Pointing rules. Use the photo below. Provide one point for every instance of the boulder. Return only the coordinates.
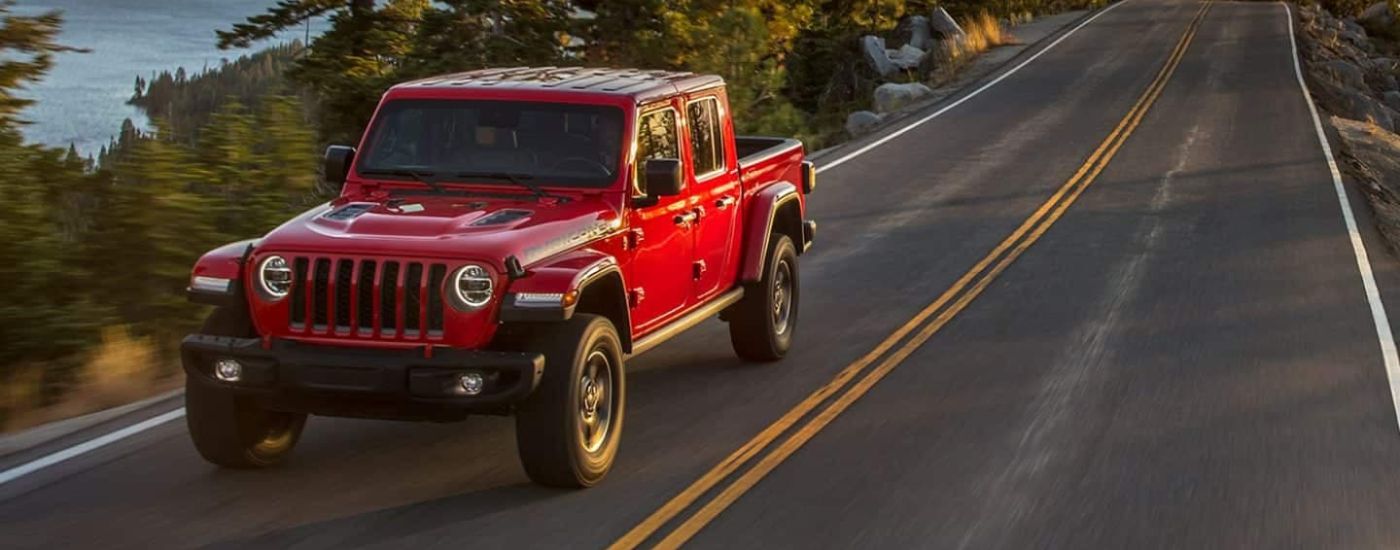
(907, 57)
(1382, 82)
(862, 122)
(1378, 14)
(1343, 72)
(1354, 33)
(1392, 100)
(1376, 155)
(945, 27)
(890, 97)
(1359, 106)
(914, 31)
(920, 33)
(876, 55)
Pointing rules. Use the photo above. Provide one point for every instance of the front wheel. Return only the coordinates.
(568, 430)
(762, 324)
(233, 431)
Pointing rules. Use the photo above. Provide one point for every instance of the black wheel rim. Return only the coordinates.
(278, 435)
(782, 297)
(595, 400)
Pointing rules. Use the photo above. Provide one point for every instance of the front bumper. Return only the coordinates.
(409, 384)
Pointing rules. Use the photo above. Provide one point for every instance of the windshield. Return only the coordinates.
(553, 144)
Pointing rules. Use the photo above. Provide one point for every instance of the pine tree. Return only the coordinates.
(287, 159)
(462, 35)
(154, 226)
(37, 317)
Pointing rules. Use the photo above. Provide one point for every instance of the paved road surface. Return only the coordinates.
(1186, 358)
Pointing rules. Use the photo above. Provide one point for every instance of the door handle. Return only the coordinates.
(725, 202)
(686, 218)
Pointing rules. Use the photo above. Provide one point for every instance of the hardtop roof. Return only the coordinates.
(637, 83)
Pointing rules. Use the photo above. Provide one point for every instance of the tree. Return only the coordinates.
(29, 45)
(287, 14)
(746, 41)
(472, 34)
(349, 66)
(154, 225)
(40, 317)
(287, 159)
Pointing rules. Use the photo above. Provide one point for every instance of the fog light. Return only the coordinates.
(470, 383)
(228, 370)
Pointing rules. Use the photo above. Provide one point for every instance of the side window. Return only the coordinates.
(656, 139)
(706, 136)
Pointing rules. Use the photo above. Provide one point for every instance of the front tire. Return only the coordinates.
(568, 430)
(233, 431)
(762, 324)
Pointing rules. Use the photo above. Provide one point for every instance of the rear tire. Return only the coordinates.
(761, 325)
(233, 431)
(568, 430)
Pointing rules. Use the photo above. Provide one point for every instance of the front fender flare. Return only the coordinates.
(220, 266)
(551, 292)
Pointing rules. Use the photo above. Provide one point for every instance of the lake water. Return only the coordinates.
(83, 99)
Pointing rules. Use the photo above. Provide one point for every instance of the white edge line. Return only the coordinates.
(1363, 262)
(853, 154)
(88, 446)
(99, 442)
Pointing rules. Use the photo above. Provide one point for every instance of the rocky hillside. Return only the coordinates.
(1353, 68)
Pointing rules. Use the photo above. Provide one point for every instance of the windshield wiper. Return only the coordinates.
(521, 180)
(426, 178)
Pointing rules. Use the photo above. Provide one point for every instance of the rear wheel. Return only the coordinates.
(568, 430)
(233, 431)
(762, 324)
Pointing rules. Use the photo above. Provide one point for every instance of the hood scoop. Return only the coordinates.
(349, 211)
(500, 217)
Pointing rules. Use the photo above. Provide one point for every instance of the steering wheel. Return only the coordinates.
(584, 162)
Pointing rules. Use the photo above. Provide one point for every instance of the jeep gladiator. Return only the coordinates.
(503, 240)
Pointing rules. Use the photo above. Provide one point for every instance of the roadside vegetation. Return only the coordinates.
(95, 251)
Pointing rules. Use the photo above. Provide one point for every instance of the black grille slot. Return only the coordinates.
(319, 301)
(299, 292)
(344, 271)
(388, 297)
(413, 298)
(435, 277)
(346, 296)
(365, 289)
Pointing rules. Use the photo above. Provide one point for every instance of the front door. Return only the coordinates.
(660, 279)
(715, 190)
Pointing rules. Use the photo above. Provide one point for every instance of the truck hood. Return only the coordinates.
(487, 227)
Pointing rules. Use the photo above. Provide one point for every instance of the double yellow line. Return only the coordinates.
(922, 327)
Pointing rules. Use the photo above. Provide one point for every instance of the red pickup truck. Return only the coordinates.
(503, 241)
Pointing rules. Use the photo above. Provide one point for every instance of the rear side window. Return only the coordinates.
(656, 139)
(706, 137)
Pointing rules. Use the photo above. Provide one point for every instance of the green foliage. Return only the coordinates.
(187, 102)
(42, 317)
(28, 44)
(1008, 8)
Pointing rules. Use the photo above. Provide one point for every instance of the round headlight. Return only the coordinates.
(471, 285)
(275, 277)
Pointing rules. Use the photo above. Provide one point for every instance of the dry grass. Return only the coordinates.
(120, 370)
(984, 32)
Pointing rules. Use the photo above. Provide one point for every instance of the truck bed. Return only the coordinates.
(755, 149)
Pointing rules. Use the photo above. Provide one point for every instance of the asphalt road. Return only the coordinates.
(1185, 358)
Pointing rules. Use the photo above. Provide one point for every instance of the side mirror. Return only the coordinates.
(337, 164)
(662, 178)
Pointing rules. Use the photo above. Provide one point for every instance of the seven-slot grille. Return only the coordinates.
(370, 298)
